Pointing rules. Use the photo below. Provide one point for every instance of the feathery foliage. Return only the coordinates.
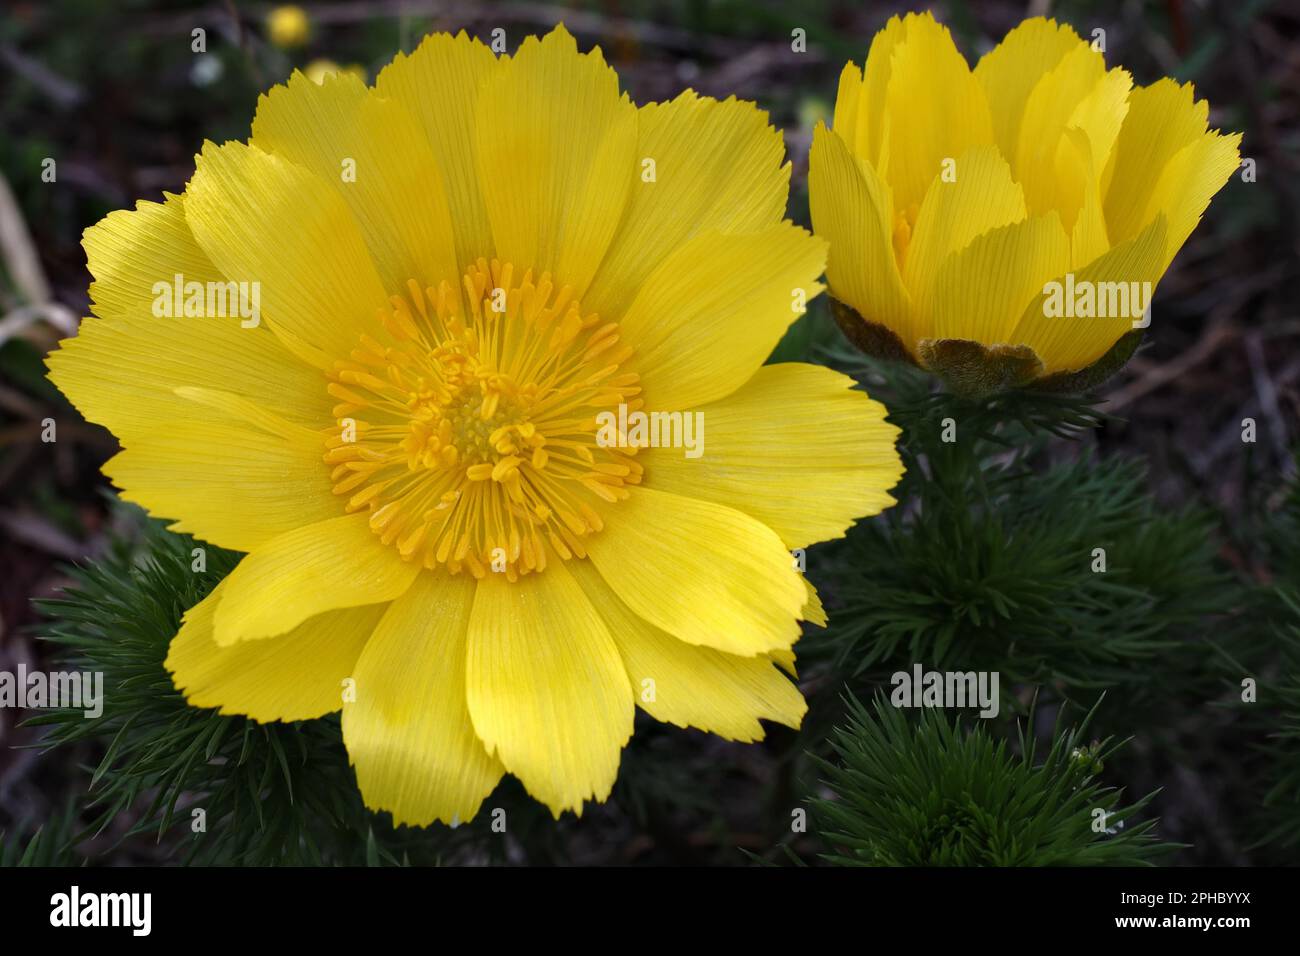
(932, 793)
(1282, 799)
(1064, 573)
(268, 793)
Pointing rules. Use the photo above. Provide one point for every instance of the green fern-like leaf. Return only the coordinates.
(932, 793)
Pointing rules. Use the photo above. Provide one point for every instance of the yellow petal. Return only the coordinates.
(712, 312)
(237, 408)
(1010, 71)
(439, 85)
(690, 686)
(377, 159)
(321, 567)
(263, 219)
(122, 368)
(767, 444)
(848, 104)
(231, 484)
(1068, 344)
(556, 157)
(982, 197)
(785, 660)
(1190, 179)
(1047, 113)
(852, 210)
(546, 686)
(408, 732)
(1070, 125)
(860, 102)
(1089, 237)
(296, 676)
(935, 103)
(1162, 119)
(716, 165)
(705, 573)
(1101, 114)
(813, 613)
(982, 291)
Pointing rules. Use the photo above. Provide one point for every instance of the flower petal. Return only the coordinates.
(690, 686)
(234, 485)
(296, 676)
(263, 219)
(1077, 92)
(1012, 69)
(1190, 179)
(981, 291)
(768, 443)
(439, 85)
(813, 613)
(717, 165)
(705, 573)
(851, 209)
(122, 368)
(860, 101)
(547, 689)
(1067, 344)
(321, 567)
(393, 186)
(557, 158)
(1089, 238)
(712, 312)
(1162, 119)
(929, 79)
(982, 197)
(408, 732)
(1100, 115)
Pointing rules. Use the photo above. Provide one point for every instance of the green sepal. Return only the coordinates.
(870, 337)
(974, 371)
(1096, 374)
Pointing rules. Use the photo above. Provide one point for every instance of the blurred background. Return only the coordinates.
(116, 96)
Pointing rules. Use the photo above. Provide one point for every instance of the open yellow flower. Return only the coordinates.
(1006, 224)
(460, 272)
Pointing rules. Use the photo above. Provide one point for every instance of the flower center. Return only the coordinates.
(472, 439)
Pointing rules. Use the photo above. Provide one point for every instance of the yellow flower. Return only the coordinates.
(1005, 224)
(461, 275)
(288, 26)
(317, 70)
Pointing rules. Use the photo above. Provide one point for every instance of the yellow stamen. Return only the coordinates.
(470, 429)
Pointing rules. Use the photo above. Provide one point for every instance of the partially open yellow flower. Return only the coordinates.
(462, 277)
(1005, 224)
(288, 26)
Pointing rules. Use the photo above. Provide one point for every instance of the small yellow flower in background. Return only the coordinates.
(317, 70)
(459, 277)
(1005, 225)
(288, 26)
